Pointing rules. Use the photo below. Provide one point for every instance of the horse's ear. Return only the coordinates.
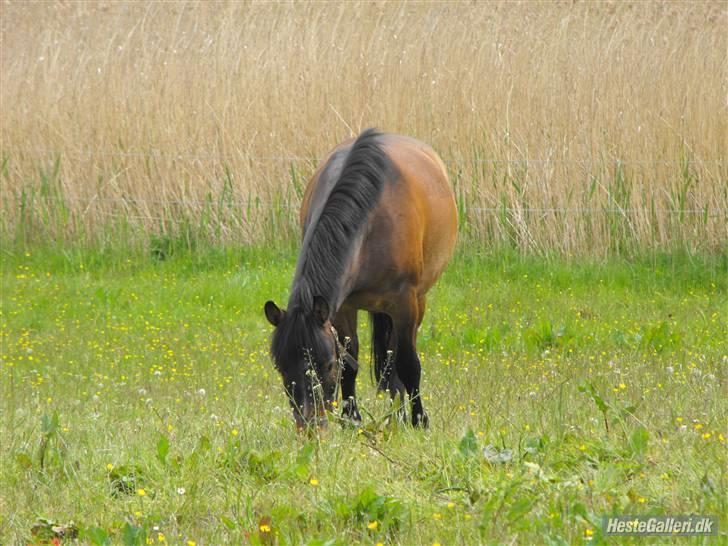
(273, 313)
(320, 310)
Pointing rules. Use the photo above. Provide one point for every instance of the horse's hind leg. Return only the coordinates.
(409, 368)
(384, 348)
(345, 324)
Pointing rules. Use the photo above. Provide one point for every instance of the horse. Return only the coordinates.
(379, 225)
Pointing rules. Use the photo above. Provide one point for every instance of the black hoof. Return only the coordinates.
(350, 414)
(420, 420)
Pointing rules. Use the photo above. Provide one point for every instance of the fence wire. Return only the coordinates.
(293, 158)
(255, 203)
(88, 154)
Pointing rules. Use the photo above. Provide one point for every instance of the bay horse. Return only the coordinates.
(379, 226)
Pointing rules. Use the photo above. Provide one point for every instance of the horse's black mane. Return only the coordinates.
(328, 241)
(330, 237)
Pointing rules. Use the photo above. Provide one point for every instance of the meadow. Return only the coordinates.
(140, 406)
(152, 161)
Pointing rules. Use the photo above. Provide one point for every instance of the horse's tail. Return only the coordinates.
(382, 330)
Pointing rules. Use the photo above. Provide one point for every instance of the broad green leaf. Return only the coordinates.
(162, 448)
(468, 444)
(49, 425)
(133, 535)
(520, 508)
(230, 524)
(638, 441)
(305, 454)
(97, 536)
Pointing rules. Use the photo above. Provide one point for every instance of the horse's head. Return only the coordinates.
(306, 352)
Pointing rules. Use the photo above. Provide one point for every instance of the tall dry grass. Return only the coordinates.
(567, 127)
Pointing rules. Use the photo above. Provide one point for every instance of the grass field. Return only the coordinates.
(139, 405)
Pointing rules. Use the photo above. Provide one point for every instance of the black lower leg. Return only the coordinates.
(349, 408)
(397, 393)
(391, 382)
(409, 371)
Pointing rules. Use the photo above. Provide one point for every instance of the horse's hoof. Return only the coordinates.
(420, 420)
(350, 414)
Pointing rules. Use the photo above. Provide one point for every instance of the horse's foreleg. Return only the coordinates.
(345, 324)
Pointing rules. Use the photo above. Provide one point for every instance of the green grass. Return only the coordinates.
(557, 391)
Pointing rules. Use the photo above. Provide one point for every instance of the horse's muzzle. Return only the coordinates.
(310, 416)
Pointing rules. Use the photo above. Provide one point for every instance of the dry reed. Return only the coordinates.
(567, 127)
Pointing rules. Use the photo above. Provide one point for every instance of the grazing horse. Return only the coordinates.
(379, 226)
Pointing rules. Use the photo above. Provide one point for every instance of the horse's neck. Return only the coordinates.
(305, 289)
(348, 280)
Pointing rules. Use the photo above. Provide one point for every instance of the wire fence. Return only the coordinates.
(39, 152)
(129, 202)
(258, 203)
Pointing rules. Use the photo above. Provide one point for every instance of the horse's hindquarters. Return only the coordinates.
(423, 209)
